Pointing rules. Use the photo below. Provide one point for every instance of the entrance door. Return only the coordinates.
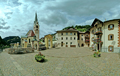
(62, 44)
(98, 46)
(36, 46)
(82, 45)
(66, 45)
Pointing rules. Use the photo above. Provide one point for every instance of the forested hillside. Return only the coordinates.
(79, 27)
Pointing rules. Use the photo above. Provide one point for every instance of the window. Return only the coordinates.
(29, 40)
(92, 38)
(61, 33)
(74, 38)
(66, 38)
(110, 48)
(66, 33)
(81, 34)
(98, 29)
(111, 27)
(70, 42)
(61, 38)
(71, 33)
(110, 37)
(22, 39)
(95, 30)
(81, 38)
(70, 38)
(36, 26)
(74, 34)
(66, 43)
(92, 31)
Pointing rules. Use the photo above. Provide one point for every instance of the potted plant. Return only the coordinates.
(39, 57)
(97, 54)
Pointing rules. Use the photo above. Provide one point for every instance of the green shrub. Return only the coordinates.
(97, 54)
(39, 57)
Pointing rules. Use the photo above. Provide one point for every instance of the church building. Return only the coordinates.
(31, 39)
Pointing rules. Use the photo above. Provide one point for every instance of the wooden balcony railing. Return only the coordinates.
(98, 32)
(87, 36)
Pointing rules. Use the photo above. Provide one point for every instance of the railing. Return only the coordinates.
(98, 32)
(87, 36)
(98, 41)
(87, 40)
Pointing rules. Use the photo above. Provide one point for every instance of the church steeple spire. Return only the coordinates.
(36, 20)
(36, 17)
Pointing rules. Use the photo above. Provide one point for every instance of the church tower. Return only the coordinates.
(36, 27)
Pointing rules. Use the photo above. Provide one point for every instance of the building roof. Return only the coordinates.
(28, 32)
(81, 32)
(95, 20)
(66, 30)
(111, 20)
(23, 36)
(31, 34)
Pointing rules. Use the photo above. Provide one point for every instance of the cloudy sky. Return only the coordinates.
(17, 16)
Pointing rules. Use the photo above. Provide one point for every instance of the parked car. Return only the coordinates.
(42, 47)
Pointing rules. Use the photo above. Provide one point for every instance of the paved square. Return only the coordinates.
(61, 62)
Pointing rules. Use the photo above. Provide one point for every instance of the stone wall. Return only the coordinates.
(19, 50)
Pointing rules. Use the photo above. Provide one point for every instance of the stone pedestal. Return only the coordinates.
(38, 46)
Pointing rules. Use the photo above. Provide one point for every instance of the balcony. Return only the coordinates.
(98, 33)
(87, 37)
(96, 41)
(87, 40)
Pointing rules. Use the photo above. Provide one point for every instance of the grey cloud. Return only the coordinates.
(83, 8)
(7, 13)
(18, 30)
(1, 32)
(54, 19)
(2, 22)
(1, 27)
(8, 17)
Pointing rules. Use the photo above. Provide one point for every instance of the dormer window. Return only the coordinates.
(111, 27)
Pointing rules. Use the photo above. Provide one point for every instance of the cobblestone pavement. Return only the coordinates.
(60, 62)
